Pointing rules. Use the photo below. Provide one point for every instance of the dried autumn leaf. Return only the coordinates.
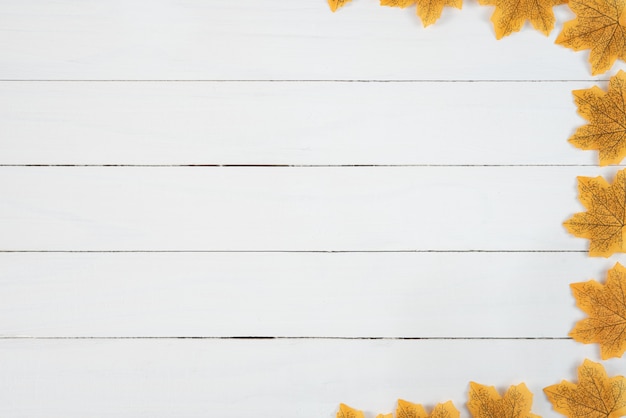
(346, 412)
(510, 15)
(486, 402)
(384, 416)
(600, 25)
(428, 10)
(595, 395)
(606, 307)
(606, 113)
(603, 223)
(337, 4)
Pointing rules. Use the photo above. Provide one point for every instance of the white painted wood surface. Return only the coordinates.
(308, 378)
(326, 295)
(289, 123)
(290, 208)
(103, 267)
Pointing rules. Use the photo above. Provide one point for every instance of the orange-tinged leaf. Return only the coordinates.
(595, 395)
(606, 307)
(428, 10)
(600, 26)
(510, 15)
(606, 113)
(346, 412)
(337, 4)
(384, 416)
(412, 410)
(603, 223)
(486, 402)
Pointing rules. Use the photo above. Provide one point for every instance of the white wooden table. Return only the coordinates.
(382, 204)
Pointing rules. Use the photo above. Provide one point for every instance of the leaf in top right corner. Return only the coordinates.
(486, 402)
(600, 26)
(605, 306)
(595, 396)
(606, 113)
(510, 15)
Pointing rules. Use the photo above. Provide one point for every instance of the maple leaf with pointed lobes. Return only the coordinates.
(595, 395)
(337, 4)
(411, 410)
(486, 402)
(600, 25)
(606, 307)
(428, 10)
(603, 223)
(606, 113)
(346, 412)
(510, 15)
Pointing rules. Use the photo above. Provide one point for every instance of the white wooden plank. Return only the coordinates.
(307, 379)
(295, 295)
(271, 39)
(216, 208)
(289, 123)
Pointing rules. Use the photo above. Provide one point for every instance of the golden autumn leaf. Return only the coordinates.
(603, 223)
(412, 410)
(606, 113)
(510, 15)
(346, 412)
(384, 416)
(486, 402)
(595, 395)
(336, 4)
(600, 26)
(428, 10)
(606, 307)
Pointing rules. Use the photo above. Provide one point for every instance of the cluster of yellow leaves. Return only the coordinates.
(595, 396)
(605, 306)
(600, 25)
(606, 113)
(603, 223)
(484, 402)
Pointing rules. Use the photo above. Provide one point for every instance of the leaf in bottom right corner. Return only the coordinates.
(595, 396)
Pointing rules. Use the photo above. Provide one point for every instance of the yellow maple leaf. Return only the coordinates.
(606, 307)
(337, 4)
(428, 10)
(384, 416)
(510, 15)
(600, 25)
(412, 410)
(486, 402)
(603, 223)
(606, 113)
(595, 395)
(346, 412)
